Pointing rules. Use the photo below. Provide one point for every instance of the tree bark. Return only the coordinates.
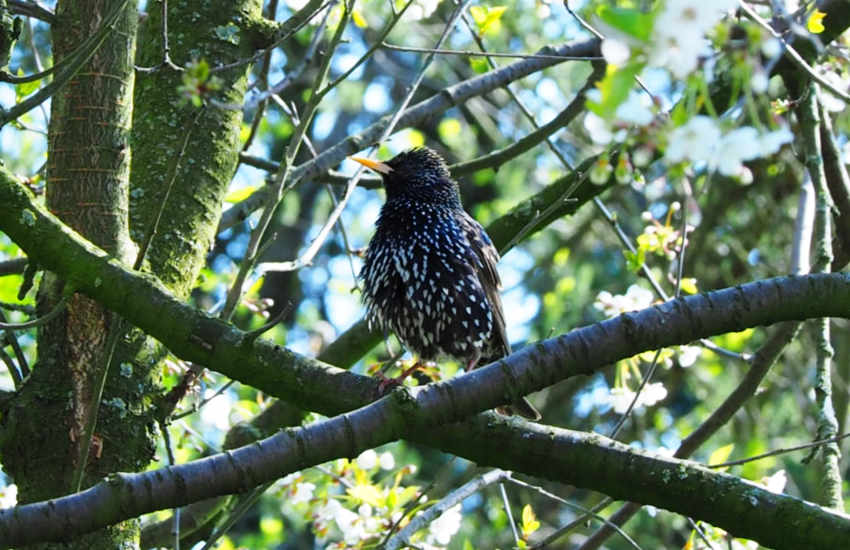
(87, 175)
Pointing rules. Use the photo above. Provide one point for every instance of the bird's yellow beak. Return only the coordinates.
(379, 167)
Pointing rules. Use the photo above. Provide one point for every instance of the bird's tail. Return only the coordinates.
(522, 408)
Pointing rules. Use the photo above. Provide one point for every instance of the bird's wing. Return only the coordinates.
(488, 275)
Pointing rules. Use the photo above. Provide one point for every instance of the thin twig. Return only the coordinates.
(507, 505)
(587, 513)
(827, 423)
(6, 76)
(116, 328)
(166, 50)
(273, 322)
(307, 257)
(31, 9)
(438, 102)
(455, 497)
(166, 441)
(241, 507)
(683, 233)
(775, 452)
(372, 49)
(634, 401)
(540, 134)
(281, 182)
(293, 75)
(472, 53)
(698, 530)
(792, 54)
(15, 266)
(10, 340)
(195, 408)
(151, 232)
(299, 24)
(49, 316)
(70, 66)
(12, 368)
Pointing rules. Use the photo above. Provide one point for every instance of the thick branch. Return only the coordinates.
(585, 460)
(194, 336)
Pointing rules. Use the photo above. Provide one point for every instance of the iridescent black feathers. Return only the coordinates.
(430, 272)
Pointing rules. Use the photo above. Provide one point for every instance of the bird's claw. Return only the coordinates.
(386, 384)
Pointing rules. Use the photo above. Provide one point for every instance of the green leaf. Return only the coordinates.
(239, 195)
(487, 19)
(415, 138)
(689, 285)
(359, 20)
(448, 129)
(271, 526)
(26, 88)
(529, 521)
(635, 260)
(815, 22)
(614, 89)
(630, 21)
(479, 14)
(367, 493)
(721, 454)
(479, 64)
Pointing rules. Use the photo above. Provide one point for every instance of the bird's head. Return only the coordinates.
(419, 174)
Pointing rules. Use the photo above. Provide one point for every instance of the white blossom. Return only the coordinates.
(288, 479)
(776, 482)
(303, 493)
(696, 140)
(420, 10)
(444, 527)
(367, 460)
(678, 37)
(9, 496)
(350, 524)
(387, 461)
(620, 397)
(327, 511)
(759, 81)
(635, 298)
(771, 142)
(677, 53)
(735, 147)
(652, 393)
(688, 355)
(702, 140)
(615, 52)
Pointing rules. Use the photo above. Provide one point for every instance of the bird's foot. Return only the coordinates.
(386, 384)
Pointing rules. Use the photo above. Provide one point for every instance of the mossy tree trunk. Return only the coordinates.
(94, 120)
(87, 181)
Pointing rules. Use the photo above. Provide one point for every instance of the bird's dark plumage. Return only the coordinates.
(430, 272)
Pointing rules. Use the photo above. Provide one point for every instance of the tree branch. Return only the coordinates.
(194, 336)
(585, 460)
(439, 102)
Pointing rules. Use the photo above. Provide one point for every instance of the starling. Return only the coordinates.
(430, 272)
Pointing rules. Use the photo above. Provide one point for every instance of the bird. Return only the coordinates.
(429, 273)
